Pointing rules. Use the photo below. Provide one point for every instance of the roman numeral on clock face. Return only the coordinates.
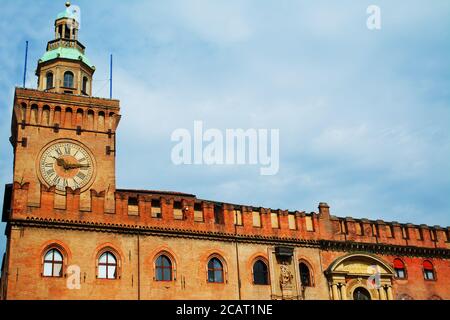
(67, 149)
(81, 175)
(56, 180)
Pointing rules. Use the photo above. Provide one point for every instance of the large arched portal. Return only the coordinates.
(360, 276)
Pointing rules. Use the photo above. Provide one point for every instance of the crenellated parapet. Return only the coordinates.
(187, 213)
(62, 112)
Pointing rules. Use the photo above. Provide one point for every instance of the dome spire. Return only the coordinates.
(64, 67)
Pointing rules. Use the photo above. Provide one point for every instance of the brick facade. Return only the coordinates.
(138, 226)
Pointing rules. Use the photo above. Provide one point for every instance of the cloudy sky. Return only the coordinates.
(363, 115)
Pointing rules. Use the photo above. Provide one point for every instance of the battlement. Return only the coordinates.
(65, 111)
(27, 93)
(186, 213)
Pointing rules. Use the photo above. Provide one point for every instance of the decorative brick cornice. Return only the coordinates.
(155, 231)
(386, 249)
(326, 245)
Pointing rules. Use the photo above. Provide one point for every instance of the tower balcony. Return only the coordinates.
(65, 43)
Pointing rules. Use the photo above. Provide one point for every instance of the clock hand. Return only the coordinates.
(61, 162)
(77, 166)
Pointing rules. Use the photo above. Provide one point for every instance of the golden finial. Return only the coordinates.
(67, 4)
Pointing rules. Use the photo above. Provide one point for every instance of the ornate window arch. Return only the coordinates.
(108, 264)
(354, 270)
(164, 267)
(53, 262)
(306, 273)
(260, 271)
(216, 269)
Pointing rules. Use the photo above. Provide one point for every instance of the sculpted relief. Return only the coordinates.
(285, 275)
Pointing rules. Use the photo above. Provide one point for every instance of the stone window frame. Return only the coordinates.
(224, 269)
(266, 262)
(173, 265)
(47, 77)
(433, 270)
(62, 251)
(69, 72)
(405, 269)
(312, 282)
(118, 262)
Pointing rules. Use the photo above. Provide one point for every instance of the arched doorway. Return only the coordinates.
(360, 276)
(361, 293)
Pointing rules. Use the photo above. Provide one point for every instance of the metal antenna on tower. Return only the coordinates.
(25, 66)
(110, 77)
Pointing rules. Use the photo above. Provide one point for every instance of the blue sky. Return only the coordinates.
(363, 115)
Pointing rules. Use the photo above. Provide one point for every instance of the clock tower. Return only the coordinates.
(64, 139)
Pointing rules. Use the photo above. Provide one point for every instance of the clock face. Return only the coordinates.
(66, 164)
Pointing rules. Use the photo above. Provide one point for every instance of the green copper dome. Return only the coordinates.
(65, 53)
(69, 13)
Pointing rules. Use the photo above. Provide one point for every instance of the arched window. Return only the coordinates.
(53, 263)
(107, 266)
(67, 31)
(215, 271)
(163, 268)
(428, 270)
(400, 270)
(49, 80)
(85, 85)
(260, 273)
(305, 275)
(361, 294)
(68, 79)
